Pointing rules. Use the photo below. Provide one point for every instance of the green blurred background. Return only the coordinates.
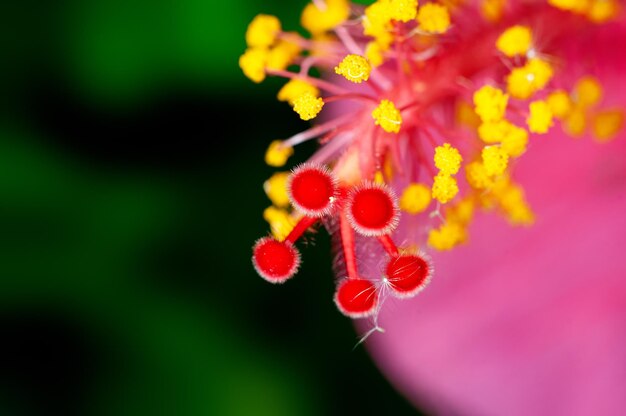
(128, 206)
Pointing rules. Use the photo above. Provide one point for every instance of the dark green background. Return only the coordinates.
(128, 206)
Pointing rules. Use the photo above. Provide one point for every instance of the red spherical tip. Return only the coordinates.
(275, 261)
(312, 189)
(409, 274)
(356, 298)
(372, 209)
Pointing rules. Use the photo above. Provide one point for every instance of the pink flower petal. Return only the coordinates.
(526, 321)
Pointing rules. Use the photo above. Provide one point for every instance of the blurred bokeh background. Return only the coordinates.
(128, 206)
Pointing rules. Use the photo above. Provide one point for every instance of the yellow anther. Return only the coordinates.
(495, 160)
(447, 159)
(490, 103)
(377, 18)
(606, 124)
(524, 81)
(515, 142)
(402, 10)
(387, 116)
(280, 221)
(560, 103)
(540, 118)
(461, 212)
(495, 131)
(444, 188)
(602, 11)
(510, 197)
(465, 114)
(492, 10)
(415, 198)
(447, 236)
(282, 55)
(295, 88)
(252, 63)
(379, 177)
(277, 154)
(319, 20)
(520, 214)
(262, 31)
(477, 176)
(375, 53)
(576, 6)
(516, 40)
(307, 106)
(587, 92)
(576, 123)
(354, 68)
(433, 18)
(276, 189)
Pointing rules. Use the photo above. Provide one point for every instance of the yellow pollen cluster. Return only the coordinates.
(601, 11)
(447, 159)
(540, 117)
(606, 124)
(252, 63)
(515, 141)
(354, 68)
(516, 40)
(308, 106)
(587, 92)
(524, 81)
(377, 19)
(495, 160)
(295, 88)
(277, 154)
(509, 198)
(375, 53)
(402, 10)
(582, 111)
(262, 31)
(280, 220)
(494, 131)
(447, 236)
(266, 51)
(577, 6)
(319, 20)
(282, 54)
(444, 188)
(492, 10)
(433, 18)
(276, 189)
(560, 104)
(490, 103)
(415, 198)
(477, 176)
(387, 116)
(598, 11)
(461, 212)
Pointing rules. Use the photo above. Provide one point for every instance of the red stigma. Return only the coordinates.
(372, 210)
(408, 274)
(356, 298)
(312, 190)
(275, 261)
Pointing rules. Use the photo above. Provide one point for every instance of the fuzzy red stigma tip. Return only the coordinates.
(312, 189)
(356, 298)
(372, 209)
(408, 274)
(275, 261)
